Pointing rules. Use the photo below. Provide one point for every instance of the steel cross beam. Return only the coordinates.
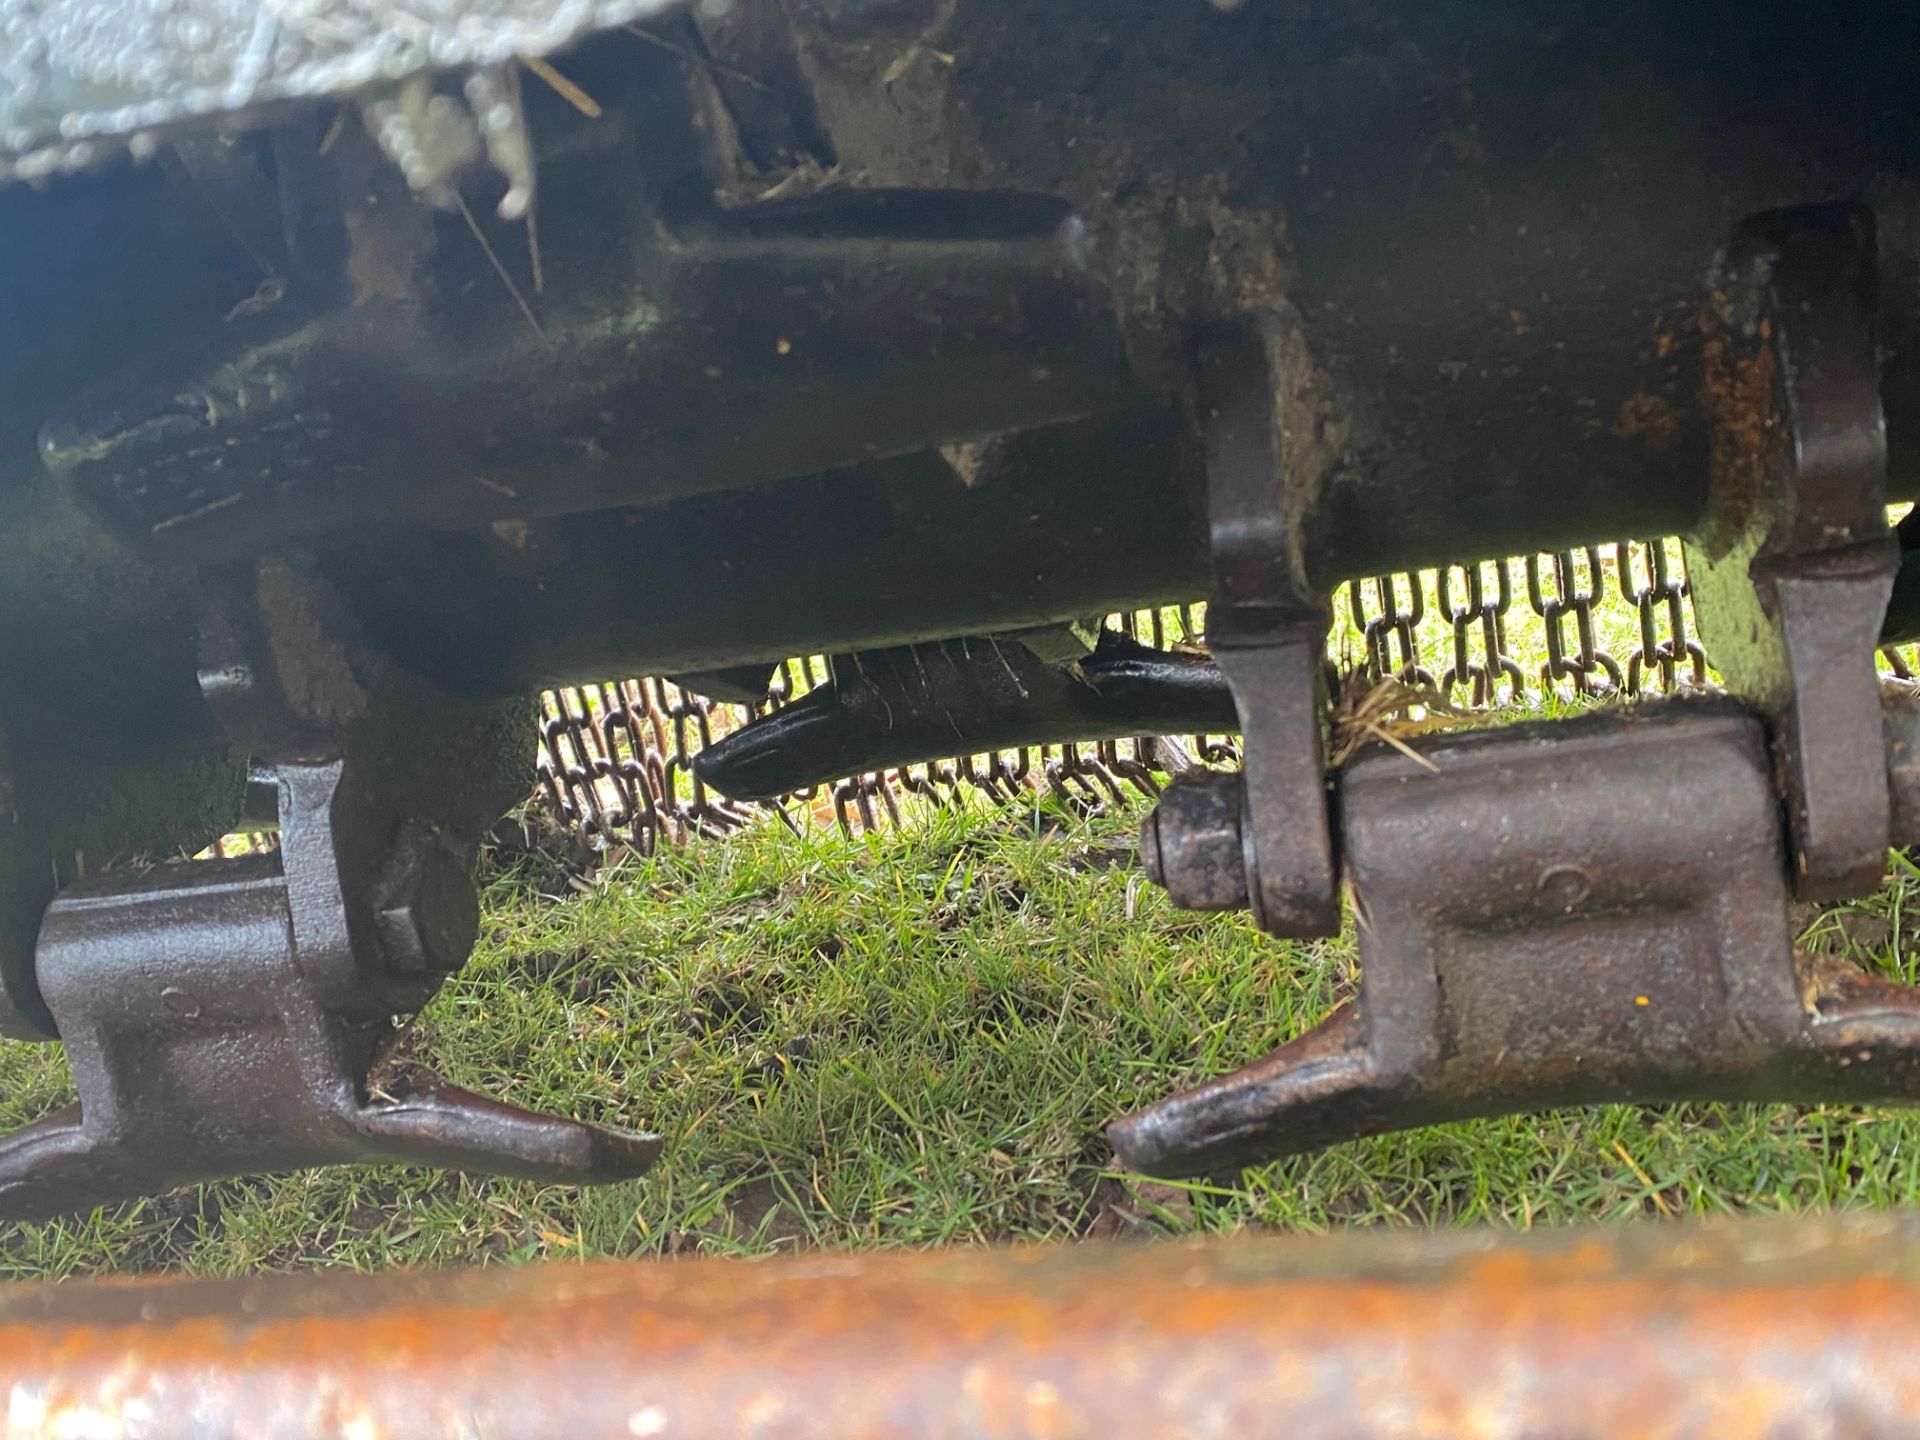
(1754, 1328)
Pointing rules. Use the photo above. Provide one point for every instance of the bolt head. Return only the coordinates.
(1194, 842)
(427, 914)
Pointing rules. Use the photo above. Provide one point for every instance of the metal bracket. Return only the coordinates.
(1267, 629)
(223, 1017)
(1566, 913)
(1794, 564)
(191, 1002)
(1595, 910)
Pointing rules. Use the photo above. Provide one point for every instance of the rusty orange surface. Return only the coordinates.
(1756, 1329)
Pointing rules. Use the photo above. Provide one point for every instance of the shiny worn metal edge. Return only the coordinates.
(1757, 1327)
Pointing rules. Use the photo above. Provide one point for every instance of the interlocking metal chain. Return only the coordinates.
(1476, 609)
(1660, 599)
(1574, 642)
(1578, 579)
(616, 761)
(1387, 611)
(1608, 621)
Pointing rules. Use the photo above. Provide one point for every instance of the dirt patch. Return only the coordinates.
(1134, 1207)
(538, 854)
(1649, 417)
(575, 973)
(1737, 390)
(1104, 857)
(724, 1008)
(757, 1208)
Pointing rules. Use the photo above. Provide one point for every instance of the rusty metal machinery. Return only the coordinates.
(1512, 959)
(918, 336)
(1758, 1328)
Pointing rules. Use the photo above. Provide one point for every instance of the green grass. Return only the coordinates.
(913, 1039)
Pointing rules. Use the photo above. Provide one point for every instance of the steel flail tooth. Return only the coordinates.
(1595, 910)
(94, 1153)
(886, 709)
(1565, 913)
(247, 1063)
(253, 1044)
(1316, 1090)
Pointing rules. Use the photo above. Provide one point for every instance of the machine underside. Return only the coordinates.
(342, 415)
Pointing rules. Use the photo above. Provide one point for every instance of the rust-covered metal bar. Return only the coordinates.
(1757, 1328)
